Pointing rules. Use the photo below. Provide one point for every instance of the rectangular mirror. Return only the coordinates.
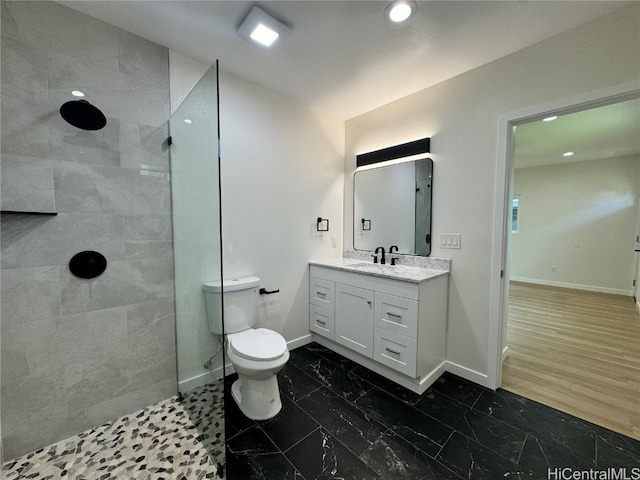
(392, 206)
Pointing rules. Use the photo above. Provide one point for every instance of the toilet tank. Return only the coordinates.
(240, 304)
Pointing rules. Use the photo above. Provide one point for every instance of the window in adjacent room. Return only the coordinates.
(515, 215)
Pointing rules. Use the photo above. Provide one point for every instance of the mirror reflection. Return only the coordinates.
(392, 206)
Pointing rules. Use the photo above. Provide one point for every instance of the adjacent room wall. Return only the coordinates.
(577, 224)
(77, 353)
(461, 117)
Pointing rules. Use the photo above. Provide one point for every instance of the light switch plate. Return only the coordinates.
(450, 240)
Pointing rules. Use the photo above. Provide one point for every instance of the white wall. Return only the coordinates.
(461, 117)
(282, 167)
(581, 219)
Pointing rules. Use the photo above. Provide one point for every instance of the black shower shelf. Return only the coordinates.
(14, 212)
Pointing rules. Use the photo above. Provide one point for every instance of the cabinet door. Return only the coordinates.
(354, 318)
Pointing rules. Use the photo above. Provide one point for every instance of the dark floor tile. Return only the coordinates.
(538, 456)
(302, 356)
(252, 441)
(403, 419)
(458, 388)
(295, 383)
(347, 384)
(289, 426)
(353, 427)
(545, 423)
(614, 450)
(392, 457)
(473, 461)
(495, 434)
(321, 456)
(260, 467)
(387, 385)
(343, 362)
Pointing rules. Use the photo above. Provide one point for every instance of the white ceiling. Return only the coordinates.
(605, 132)
(342, 57)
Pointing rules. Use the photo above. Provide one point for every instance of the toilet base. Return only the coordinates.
(257, 399)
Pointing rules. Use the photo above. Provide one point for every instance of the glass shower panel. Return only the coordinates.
(195, 189)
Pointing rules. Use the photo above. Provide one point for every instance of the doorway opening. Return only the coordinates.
(570, 332)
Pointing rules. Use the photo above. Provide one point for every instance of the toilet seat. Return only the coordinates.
(260, 344)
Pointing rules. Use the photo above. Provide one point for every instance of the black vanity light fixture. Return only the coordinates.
(262, 29)
(415, 147)
(322, 224)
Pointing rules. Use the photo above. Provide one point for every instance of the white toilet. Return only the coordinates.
(257, 355)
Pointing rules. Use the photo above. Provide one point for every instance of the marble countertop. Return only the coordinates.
(405, 273)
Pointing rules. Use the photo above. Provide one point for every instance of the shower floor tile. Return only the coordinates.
(158, 442)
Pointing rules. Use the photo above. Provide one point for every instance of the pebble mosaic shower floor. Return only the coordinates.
(168, 440)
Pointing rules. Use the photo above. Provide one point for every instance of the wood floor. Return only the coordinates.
(576, 351)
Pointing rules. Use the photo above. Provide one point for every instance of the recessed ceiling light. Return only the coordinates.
(77, 93)
(261, 28)
(550, 119)
(400, 10)
(567, 154)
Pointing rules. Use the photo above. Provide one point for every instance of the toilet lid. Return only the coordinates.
(258, 344)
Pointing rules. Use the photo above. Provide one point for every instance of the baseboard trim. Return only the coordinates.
(574, 286)
(468, 374)
(299, 342)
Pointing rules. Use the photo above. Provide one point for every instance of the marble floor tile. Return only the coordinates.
(295, 383)
(403, 419)
(321, 456)
(394, 458)
(347, 384)
(289, 426)
(355, 428)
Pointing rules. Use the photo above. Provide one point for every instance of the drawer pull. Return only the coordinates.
(389, 314)
(321, 322)
(392, 351)
(321, 294)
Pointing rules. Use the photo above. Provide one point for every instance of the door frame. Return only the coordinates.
(499, 293)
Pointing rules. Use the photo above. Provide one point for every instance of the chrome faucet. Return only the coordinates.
(375, 258)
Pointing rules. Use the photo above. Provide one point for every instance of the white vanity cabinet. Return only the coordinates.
(394, 327)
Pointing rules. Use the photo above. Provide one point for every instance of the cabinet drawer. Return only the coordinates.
(396, 314)
(395, 351)
(322, 293)
(322, 321)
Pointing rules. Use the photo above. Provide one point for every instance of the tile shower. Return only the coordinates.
(78, 353)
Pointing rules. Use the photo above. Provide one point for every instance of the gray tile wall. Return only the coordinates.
(76, 353)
